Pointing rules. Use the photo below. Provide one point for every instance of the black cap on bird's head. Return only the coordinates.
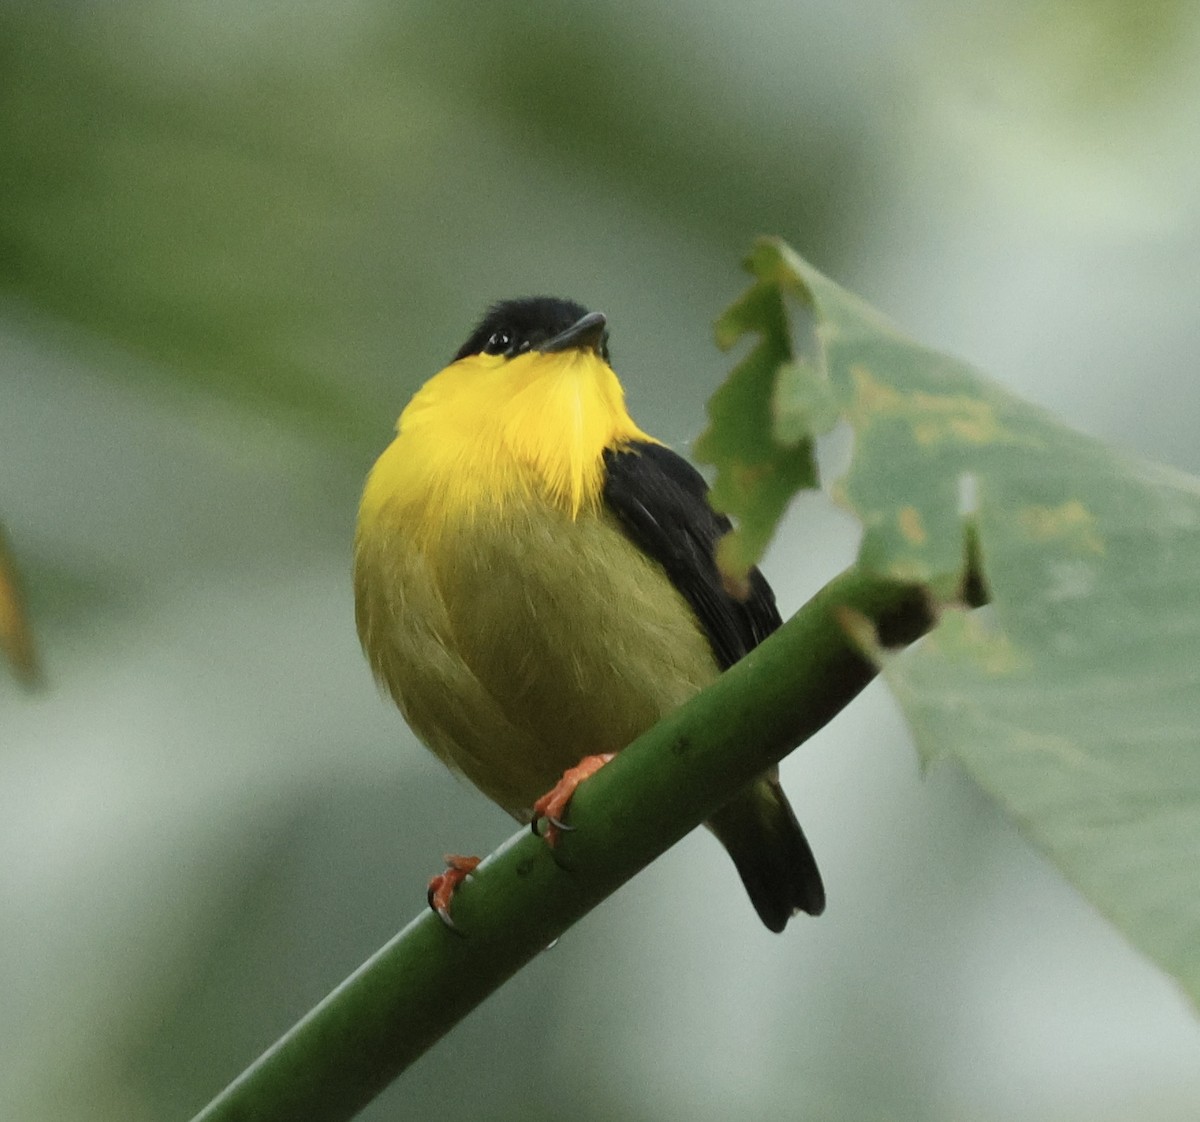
(537, 323)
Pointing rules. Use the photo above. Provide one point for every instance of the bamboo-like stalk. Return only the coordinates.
(525, 895)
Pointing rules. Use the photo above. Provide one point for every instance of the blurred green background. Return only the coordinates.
(234, 238)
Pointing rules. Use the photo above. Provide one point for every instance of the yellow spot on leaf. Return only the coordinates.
(911, 526)
(871, 395)
(934, 418)
(999, 658)
(859, 629)
(749, 477)
(1067, 754)
(733, 566)
(1071, 522)
(964, 633)
(907, 569)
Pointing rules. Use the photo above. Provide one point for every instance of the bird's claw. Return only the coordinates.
(552, 806)
(443, 886)
(552, 823)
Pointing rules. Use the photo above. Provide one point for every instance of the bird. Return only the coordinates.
(536, 584)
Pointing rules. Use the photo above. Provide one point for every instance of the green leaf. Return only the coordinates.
(757, 438)
(1077, 705)
(1075, 699)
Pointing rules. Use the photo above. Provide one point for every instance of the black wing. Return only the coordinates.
(662, 501)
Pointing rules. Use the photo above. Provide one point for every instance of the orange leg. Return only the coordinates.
(553, 804)
(442, 886)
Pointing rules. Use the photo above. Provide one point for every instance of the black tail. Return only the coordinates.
(760, 831)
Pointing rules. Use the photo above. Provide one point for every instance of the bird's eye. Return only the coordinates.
(498, 343)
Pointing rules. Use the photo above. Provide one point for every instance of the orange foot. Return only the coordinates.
(553, 804)
(443, 886)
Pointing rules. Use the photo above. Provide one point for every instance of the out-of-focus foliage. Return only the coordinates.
(200, 218)
(234, 237)
(16, 638)
(216, 203)
(1074, 702)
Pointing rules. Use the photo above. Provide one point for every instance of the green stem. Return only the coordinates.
(525, 895)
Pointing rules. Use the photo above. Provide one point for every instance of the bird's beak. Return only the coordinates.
(585, 334)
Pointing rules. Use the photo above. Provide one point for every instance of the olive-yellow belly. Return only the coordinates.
(522, 639)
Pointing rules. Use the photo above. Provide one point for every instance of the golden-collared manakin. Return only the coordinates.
(535, 581)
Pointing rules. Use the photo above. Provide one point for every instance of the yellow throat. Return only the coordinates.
(489, 428)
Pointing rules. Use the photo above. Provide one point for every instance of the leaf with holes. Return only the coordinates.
(1074, 699)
